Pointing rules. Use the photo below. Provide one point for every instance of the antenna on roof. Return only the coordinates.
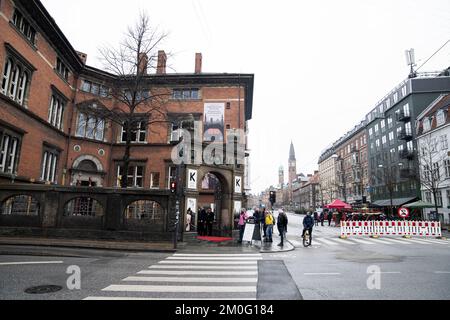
(411, 61)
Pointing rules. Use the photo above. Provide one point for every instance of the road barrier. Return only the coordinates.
(395, 228)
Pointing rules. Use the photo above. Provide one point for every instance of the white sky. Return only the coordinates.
(319, 66)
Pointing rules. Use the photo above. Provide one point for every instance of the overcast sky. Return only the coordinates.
(319, 66)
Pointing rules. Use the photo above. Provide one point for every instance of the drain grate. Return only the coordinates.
(43, 289)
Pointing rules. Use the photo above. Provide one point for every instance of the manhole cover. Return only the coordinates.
(43, 289)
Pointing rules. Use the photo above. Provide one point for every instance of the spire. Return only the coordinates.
(292, 152)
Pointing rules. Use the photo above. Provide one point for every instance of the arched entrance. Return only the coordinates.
(214, 195)
(87, 171)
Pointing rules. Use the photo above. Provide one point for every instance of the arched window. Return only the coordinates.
(22, 87)
(145, 211)
(83, 207)
(14, 80)
(6, 76)
(21, 205)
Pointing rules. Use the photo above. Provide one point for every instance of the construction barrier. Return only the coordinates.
(391, 228)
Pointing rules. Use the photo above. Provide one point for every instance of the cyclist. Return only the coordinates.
(308, 223)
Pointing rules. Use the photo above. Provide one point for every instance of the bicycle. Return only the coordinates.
(307, 239)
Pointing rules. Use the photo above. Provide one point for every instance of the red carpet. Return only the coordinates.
(214, 239)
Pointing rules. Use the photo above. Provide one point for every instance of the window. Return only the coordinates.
(95, 88)
(62, 69)
(135, 176)
(406, 110)
(404, 91)
(391, 137)
(15, 80)
(440, 117)
(444, 142)
(388, 103)
(24, 26)
(138, 132)
(428, 196)
(436, 173)
(186, 94)
(176, 130)
(376, 128)
(392, 154)
(90, 127)
(439, 198)
(56, 111)
(447, 169)
(383, 124)
(448, 197)
(395, 97)
(426, 124)
(389, 121)
(154, 180)
(433, 145)
(408, 128)
(49, 165)
(400, 148)
(410, 146)
(9, 151)
(370, 132)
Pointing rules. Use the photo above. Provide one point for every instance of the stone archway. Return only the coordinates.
(87, 170)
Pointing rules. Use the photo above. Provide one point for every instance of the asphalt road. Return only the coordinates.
(364, 268)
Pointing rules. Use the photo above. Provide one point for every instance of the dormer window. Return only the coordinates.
(426, 124)
(440, 118)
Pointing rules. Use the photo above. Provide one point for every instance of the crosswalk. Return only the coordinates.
(319, 241)
(190, 277)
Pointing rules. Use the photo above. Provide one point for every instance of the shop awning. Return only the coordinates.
(395, 202)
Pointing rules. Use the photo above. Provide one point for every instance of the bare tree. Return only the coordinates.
(431, 158)
(137, 102)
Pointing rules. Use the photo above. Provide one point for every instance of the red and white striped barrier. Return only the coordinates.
(391, 228)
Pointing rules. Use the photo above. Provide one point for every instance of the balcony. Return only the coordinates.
(405, 135)
(403, 117)
(407, 154)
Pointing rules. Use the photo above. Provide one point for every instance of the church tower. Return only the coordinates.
(292, 165)
(281, 176)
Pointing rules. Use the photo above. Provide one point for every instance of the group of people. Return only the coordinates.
(206, 218)
(321, 217)
(265, 219)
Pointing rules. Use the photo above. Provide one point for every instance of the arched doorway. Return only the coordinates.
(87, 171)
(214, 195)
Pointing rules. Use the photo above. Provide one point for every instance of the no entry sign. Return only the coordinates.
(403, 212)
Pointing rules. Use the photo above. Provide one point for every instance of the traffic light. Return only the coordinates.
(173, 186)
(273, 197)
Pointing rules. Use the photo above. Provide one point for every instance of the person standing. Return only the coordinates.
(202, 222)
(263, 218)
(322, 218)
(242, 219)
(316, 218)
(188, 220)
(269, 221)
(282, 222)
(210, 218)
(329, 218)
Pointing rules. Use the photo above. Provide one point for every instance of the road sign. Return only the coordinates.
(403, 213)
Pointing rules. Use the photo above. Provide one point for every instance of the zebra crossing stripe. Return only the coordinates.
(362, 241)
(325, 241)
(191, 267)
(215, 258)
(208, 262)
(342, 241)
(426, 241)
(140, 298)
(212, 273)
(397, 241)
(215, 255)
(190, 289)
(384, 241)
(186, 279)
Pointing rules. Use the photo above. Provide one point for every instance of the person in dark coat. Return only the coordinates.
(316, 218)
(202, 222)
(263, 221)
(308, 224)
(329, 217)
(210, 218)
(322, 218)
(282, 223)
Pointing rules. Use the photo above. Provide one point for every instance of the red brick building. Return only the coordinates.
(46, 138)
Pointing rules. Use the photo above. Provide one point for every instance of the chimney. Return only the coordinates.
(82, 56)
(143, 63)
(198, 63)
(162, 61)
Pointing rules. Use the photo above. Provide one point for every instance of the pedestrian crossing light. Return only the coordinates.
(173, 187)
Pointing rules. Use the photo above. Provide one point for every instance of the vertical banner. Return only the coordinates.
(237, 206)
(237, 184)
(192, 179)
(213, 126)
(191, 203)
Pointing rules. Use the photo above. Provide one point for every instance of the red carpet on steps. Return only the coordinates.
(214, 239)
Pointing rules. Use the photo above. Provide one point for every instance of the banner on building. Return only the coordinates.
(191, 203)
(238, 184)
(213, 125)
(192, 179)
(237, 206)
